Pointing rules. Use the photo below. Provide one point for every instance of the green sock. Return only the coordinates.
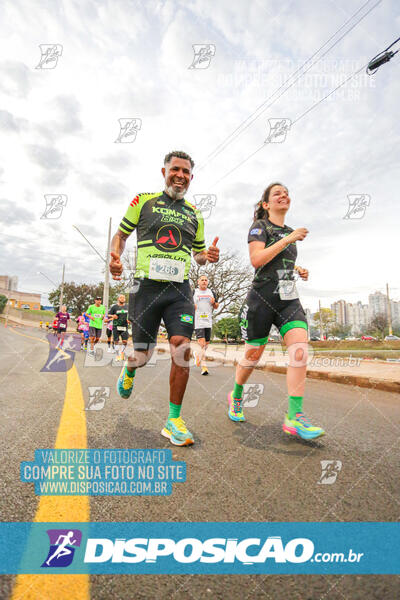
(130, 372)
(295, 406)
(174, 411)
(237, 391)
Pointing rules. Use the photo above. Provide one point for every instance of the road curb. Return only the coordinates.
(356, 380)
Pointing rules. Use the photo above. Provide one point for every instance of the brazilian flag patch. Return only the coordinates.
(187, 318)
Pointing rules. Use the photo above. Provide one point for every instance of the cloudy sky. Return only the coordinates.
(121, 59)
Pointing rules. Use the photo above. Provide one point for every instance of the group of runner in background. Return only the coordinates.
(90, 324)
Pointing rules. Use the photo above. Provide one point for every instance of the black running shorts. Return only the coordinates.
(263, 308)
(120, 333)
(203, 332)
(155, 300)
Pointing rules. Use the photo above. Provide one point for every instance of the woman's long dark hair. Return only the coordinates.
(261, 212)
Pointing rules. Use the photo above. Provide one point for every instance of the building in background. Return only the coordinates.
(377, 304)
(358, 316)
(395, 310)
(339, 310)
(8, 283)
(8, 288)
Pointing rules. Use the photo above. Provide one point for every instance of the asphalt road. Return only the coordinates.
(235, 471)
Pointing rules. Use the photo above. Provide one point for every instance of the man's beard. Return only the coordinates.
(173, 194)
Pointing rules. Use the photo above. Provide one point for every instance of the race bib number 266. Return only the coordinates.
(166, 269)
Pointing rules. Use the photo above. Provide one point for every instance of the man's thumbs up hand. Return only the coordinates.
(213, 252)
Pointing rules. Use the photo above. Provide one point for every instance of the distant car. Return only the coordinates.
(314, 338)
(391, 338)
(351, 339)
(26, 306)
(368, 338)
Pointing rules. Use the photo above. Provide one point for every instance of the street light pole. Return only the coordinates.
(107, 270)
(86, 240)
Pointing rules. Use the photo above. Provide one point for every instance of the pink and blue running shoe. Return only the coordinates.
(300, 426)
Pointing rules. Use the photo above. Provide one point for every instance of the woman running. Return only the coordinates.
(273, 299)
(63, 316)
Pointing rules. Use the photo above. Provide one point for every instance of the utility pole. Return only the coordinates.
(389, 310)
(107, 270)
(106, 293)
(62, 288)
(321, 336)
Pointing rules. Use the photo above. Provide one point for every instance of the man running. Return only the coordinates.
(204, 303)
(63, 317)
(168, 229)
(118, 314)
(96, 313)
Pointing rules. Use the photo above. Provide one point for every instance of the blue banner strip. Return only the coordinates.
(204, 548)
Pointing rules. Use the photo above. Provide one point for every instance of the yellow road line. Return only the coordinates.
(71, 434)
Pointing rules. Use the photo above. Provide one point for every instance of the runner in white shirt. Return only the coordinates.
(204, 303)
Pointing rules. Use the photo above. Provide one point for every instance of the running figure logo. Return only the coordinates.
(278, 129)
(97, 397)
(133, 282)
(63, 543)
(55, 203)
(205, 203)
(168, 237)
(203, 54)
(50, 54)
(61, 359)
(252, 393)
(357, 206)
(287, 283)
(128, 129)
(330, 471)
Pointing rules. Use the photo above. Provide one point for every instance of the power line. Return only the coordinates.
(296, 121)
(248, 121)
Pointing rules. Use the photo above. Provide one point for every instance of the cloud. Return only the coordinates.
(116, 162)
(68, 108)
(15, 79)
(54, 164)
(104, 188)
(13, 214)
(8, 122)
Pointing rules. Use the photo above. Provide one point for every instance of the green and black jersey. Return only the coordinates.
(280, 267)
(166, 229)
(122, 315)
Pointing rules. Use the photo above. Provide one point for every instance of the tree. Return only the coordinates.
(3, 302)
(77, 297)
(327, 318)
(379, 325)
(230, 279)
(339, 330)
(228, 327)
